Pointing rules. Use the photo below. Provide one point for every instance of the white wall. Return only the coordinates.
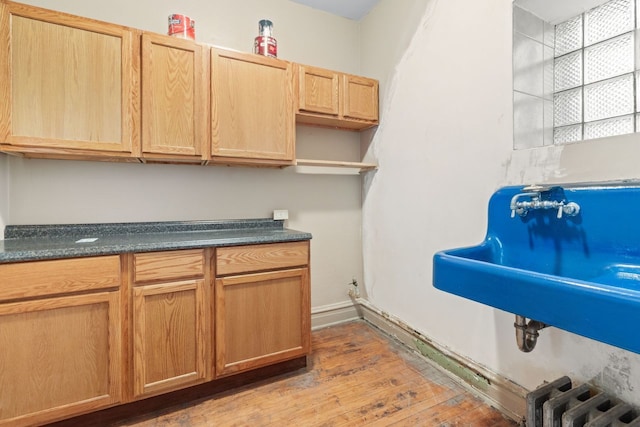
(444, 145)
(386, 33)
(50, 191)
(304, 34)
(4, 193)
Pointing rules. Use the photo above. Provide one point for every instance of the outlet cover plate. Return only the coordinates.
(280, 214)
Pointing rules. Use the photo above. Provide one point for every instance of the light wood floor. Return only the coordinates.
(356, 376)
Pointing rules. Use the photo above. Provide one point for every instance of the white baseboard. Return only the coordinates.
(332, 314)
(500, 392)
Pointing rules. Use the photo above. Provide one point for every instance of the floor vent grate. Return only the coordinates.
(558, 404)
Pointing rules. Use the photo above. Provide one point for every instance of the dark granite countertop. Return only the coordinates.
(37, 242)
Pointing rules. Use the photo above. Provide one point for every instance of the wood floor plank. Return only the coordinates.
(342, 405)
(460, 411)
(356, 376)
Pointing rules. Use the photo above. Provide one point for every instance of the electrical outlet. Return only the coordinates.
(280, 214)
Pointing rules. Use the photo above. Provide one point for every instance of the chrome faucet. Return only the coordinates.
(535, 192)
(519, 207)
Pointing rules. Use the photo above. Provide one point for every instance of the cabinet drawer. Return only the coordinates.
(60, 276)
(245, 259)
(170, 265)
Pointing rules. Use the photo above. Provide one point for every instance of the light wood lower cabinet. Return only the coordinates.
(262, 305)
(60, 355)
(170, 329)
(169, 340)
(261, 319)
(82, 334)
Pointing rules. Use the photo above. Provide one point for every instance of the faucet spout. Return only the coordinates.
(514, 200)
(515, 208)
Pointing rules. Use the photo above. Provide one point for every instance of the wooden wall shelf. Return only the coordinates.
(337, 167)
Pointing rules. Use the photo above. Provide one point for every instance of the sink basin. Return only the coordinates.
(580, 273)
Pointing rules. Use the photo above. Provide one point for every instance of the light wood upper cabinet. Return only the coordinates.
(252, 115)
(61, 356)
(171, 306)
(67, 83)
(77, 88)
(330, 98)
(360, 98)
(174, 99)
(319, 91)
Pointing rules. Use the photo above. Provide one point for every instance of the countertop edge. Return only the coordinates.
(119, 228)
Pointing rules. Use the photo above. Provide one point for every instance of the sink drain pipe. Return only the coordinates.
(527, 333)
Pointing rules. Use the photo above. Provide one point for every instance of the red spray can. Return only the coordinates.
(265, 43)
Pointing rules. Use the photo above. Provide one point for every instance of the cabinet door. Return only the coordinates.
(337, 100)
(360, 98)
(318, 90)
(261, 319)
(60, 357)
(174, 98)
(252, 116)
(67, 82)
(168, 336)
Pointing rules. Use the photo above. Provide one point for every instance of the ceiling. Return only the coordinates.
(552, 11)
(351, 9)
(556, 11)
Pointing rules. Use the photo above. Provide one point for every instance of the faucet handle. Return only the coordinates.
(571, 209)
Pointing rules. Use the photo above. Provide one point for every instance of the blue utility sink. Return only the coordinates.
(577, 270)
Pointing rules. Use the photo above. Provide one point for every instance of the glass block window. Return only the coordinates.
(596, 77)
